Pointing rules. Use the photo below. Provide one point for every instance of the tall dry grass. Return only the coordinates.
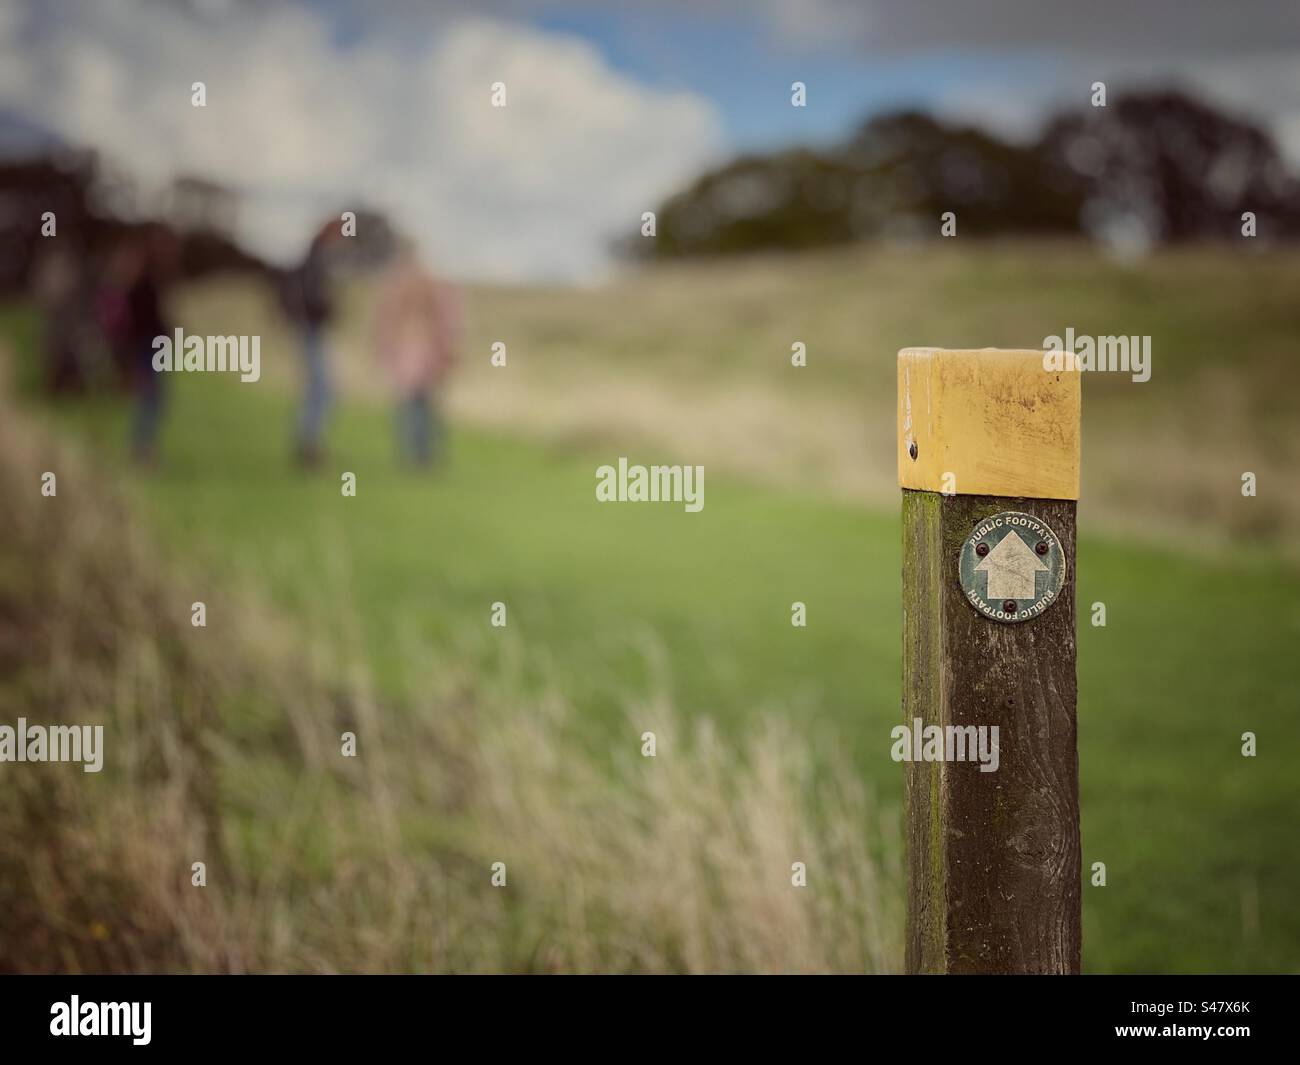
(222, 745)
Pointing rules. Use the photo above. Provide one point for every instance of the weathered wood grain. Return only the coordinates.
(993, 858)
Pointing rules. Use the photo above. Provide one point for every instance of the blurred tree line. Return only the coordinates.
(84, 201)
(96, 208)
(1150, 168)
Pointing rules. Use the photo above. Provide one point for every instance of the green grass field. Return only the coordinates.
(615, 605)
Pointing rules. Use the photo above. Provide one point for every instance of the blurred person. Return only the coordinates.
(58, 288)
(112, 309)
(308, 301)
(416, 332)
(154, 262)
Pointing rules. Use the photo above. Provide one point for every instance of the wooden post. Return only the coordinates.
(992, 856)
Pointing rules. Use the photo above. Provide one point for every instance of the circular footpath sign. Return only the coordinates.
(1012, 566)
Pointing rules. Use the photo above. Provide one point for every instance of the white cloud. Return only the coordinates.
(1243, 84)
(1264, 89)
(1014, 116)
(301, 125)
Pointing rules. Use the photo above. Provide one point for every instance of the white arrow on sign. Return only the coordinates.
(1011, 567)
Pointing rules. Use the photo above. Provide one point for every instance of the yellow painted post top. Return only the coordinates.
(987, 422)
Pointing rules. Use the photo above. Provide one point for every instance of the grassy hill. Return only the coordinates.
(621, 611)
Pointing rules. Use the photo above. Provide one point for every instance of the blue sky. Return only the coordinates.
(1004, 64)
(733, 55)
(317, 105)
(736, 60)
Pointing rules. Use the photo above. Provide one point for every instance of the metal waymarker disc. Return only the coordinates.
(1011, 558)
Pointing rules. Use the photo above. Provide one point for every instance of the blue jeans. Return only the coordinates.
(149, 402)
(419, 432)
(316, 393)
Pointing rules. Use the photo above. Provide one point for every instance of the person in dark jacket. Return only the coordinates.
(60, 293)
(309, 303)
(112, 312)
(155, 256)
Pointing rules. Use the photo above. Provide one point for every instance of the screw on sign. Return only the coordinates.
(989, 640)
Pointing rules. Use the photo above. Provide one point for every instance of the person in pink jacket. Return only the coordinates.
(417, 328)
